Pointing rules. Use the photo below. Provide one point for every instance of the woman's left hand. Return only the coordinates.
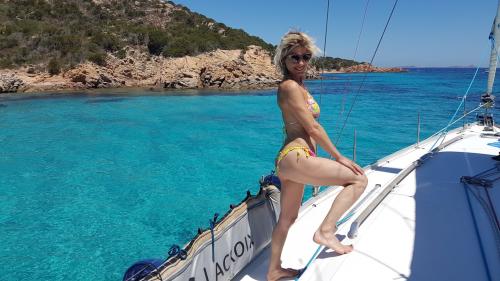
(351, 165)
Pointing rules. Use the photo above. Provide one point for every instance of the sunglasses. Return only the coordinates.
(297, 58)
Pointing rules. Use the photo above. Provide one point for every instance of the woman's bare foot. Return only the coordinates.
(329, 240)
(277, 274)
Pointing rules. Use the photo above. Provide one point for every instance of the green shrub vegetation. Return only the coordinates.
(73, 31)
(121, 54)
(98, 58)
(157, 42)
(329, 63)
(54, 67)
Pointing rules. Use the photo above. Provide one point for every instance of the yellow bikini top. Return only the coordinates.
(313, 106)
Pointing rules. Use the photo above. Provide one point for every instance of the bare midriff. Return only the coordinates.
(296, 135)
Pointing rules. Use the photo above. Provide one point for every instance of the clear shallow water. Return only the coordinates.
(91, 183)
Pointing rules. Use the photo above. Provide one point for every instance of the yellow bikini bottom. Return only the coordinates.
(287, 150)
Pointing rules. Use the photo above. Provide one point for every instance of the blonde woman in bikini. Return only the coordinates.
(297, 163)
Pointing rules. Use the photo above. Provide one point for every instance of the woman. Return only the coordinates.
(297, 163)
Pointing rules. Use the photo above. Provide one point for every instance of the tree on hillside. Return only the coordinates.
(73, 31)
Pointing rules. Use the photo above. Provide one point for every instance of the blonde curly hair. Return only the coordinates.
(290, 41)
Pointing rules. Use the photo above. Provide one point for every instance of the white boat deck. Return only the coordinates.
(423, 230)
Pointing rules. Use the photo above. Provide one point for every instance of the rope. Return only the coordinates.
(318, 250)
(212, 226)
(346, 218)
(494, 215)
(353, 211)
(485, 179)
(481, 246)
(339, 223)
(364, 77)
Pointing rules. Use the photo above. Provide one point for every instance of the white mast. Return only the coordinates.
(487, 99)
(495, 38)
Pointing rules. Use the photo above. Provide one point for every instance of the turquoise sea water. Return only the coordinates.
(92, 182)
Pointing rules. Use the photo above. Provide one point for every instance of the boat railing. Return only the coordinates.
(418, 130)
(353, 231)
(440, 133)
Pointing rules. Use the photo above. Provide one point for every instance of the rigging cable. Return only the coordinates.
(322, 88)
(445, 132)
(320, 95)
(478, 236)
(361, 30)
(492, 41)
(364, 77)
(318, 250)
(324, 50)
(348, 83)
(463, 116)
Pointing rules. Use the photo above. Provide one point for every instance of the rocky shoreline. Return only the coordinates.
(251, 68)
(221, 69)
(362, 68)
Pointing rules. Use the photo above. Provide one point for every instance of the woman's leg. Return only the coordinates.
(322, 171)
(291, 199)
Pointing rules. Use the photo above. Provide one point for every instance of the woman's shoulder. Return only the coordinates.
(288, 85)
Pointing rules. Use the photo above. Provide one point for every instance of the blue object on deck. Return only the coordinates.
(176, 251)
(495, 144)
(271, 179)
(141, 269)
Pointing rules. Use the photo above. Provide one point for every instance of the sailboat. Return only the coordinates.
(430, 212)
